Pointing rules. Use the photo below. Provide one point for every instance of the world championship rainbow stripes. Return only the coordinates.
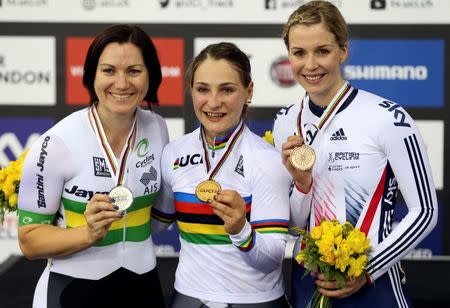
(199, 225)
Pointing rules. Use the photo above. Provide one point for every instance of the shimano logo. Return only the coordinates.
(385, 72)
(338, 135)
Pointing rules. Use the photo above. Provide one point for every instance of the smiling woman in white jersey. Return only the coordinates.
(99, 246)
(231, 206)
(364, 154)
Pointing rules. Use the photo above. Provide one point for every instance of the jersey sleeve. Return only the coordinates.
(163, 211)
(263, 239)
(277, 132)
(47, 166)
(300, 202)
(404, 147)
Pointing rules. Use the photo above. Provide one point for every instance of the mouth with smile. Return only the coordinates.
(120, 96)
(313, 78)
(214, 116)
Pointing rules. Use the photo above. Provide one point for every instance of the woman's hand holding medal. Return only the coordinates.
(100, 213)
(230, 207)
(299, 159)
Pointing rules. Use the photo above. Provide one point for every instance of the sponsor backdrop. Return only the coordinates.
(398, 49)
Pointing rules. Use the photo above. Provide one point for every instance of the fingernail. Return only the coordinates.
(122, 213)
(116, 207)
(215, 197)
(209, 201)
(112, 200)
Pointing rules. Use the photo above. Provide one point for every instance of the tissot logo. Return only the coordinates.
(164, 3)
(100, 167)
(378, 4)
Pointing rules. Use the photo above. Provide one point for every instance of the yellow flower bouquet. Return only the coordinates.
(339, 251)
(9, 185)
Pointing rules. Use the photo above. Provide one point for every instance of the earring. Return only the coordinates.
(248, 102)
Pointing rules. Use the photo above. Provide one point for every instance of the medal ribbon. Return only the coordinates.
(225, 155)
(329, 112)
(117, 167)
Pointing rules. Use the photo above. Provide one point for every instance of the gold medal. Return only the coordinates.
(207, 190)
(303, 157)
(123, 197)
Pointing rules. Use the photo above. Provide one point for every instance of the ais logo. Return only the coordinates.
(18, 134)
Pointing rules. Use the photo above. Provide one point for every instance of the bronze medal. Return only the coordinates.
(123, 197)
(303, 157)
(207, 190)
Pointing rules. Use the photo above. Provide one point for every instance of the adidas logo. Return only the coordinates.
(338, 135)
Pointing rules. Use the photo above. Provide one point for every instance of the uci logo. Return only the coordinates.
(143, 147)
(189, 159)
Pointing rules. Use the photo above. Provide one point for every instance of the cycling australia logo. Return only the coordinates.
(142, 151)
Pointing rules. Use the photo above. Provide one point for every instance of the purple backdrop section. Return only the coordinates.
(15, 132)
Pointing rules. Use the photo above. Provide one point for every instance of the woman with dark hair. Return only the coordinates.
(229, 192)
(82, 202)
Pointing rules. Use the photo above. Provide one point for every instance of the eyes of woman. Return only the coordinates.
(320, 52)
(132, 71)
(224, 89)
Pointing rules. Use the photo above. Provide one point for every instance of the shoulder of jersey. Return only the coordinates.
(288, 111)
(184, 141)
(70, 125)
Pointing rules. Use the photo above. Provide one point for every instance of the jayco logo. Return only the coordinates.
(43, 154)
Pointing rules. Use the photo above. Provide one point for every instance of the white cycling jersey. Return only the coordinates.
(370, 149)
(66, 167)
(213, 265)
